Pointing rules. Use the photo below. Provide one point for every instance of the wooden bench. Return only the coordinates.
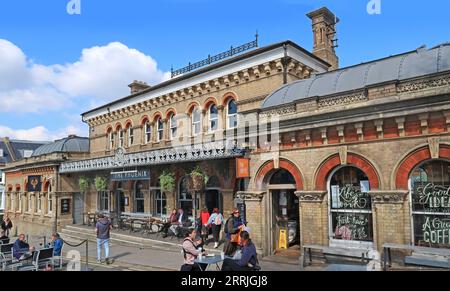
(421, 256)
(362, 254)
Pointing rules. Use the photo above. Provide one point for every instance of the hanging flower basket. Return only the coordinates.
(198, 179)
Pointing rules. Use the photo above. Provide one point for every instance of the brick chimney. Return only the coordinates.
(324, 30)
(138, 86)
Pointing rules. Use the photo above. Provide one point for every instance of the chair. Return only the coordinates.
(39, 258)
(58, 259)
(5, 255)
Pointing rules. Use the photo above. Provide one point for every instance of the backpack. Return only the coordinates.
(226, 230)
(217, 220)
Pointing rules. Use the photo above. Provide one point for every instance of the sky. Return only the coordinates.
(55, 66)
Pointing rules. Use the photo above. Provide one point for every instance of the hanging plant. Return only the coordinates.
(167, 182)
(199, 178)
(83, 183)
(101, 183)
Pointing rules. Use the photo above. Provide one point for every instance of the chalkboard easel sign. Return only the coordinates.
(65, 206)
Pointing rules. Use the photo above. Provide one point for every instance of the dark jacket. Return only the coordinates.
(249, 256)
(6, 226)
(184, 218)
(20, 248)
(103, 227)
(233, 226)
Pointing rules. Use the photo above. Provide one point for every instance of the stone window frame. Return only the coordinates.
(173, 128)
(232, 115)
(159, 129)
(196, 112)
(210, 119)
(147, 132)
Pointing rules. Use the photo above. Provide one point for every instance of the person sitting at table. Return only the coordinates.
(3, 238)
(57, 244)
(191, 250)
(21, 249)
(172, 219)
(249, 259)
(182, 221)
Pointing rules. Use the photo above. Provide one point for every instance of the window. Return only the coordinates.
(39, 203)
(130, 136)
(173, 126)
(148, 132)
(185, 200)
(351, 208)
(232, 114)
(196, 121)
(121, 138)
(213, 118)
(104, 200)
(50, 204)
(430, 196)
(139, 198)
(111, 140)
(160, 124)
(30, 204)
(160, 203)
(27, 153)
(20, 202)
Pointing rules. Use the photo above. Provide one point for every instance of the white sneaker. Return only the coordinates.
(216, 245)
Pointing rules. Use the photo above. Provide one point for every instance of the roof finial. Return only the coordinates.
(256, 38)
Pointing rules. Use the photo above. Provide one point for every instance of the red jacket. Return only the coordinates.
(204, 217)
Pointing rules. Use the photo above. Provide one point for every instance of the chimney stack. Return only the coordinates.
(138, 86)
(324, 29)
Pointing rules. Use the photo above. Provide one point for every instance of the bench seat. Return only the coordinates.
(429, 261)
(362, 254)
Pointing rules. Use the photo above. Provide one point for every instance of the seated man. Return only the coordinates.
(3, 238)
(21, 249)
(172, 219)
(57, 244)
(182, 221)
(248, 261)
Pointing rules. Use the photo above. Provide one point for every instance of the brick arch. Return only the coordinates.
(109, 128)
(144, 119)
(209, 102)
(269, 168)
(191, 107)
(10, 187)
(227, 97)
(352, 160)
(169, 112)
(412, 160)
(156, 116)
(118, 126)
(18, 187)
(128, 123)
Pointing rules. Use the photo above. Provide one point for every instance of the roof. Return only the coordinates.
(18, 148)
(70, 144)
(417, 63)
(213, 67)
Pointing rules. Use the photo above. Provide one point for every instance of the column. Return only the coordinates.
(313, 217)
(391, 218)
(255, 216)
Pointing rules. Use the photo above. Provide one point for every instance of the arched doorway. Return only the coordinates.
(213, 196)
(139, 201)
(185, 200)
(429, 186)
(285, 210)
(350, 208)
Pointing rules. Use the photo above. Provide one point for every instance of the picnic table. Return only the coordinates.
(426, 256)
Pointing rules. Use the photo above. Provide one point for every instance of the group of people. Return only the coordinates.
(237, 237)
(22, 250)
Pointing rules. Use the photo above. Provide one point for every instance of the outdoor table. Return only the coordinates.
(211, 261)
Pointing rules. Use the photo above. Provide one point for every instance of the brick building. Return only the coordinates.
(355, 156)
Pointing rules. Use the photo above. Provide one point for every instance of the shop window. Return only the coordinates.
(213, 118)
(139, 198)
(351, 208)
(196, 121)
(185, 200)
(148, 132)
(104, 200)
(430, 196)
(231, 114)
(173, 126)
(282, 177)
(160, 203)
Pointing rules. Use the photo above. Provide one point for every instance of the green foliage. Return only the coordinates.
(197, 172)
(167, 182)
(101, 183)
(83, 183)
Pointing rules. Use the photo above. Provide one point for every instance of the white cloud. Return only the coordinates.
(41, 133)
(101, 74)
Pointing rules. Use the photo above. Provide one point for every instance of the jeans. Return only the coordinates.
(216, 232)
(105, 243)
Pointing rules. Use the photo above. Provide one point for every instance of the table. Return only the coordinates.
(211, 261)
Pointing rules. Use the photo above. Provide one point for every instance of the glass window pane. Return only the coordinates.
(232, 108)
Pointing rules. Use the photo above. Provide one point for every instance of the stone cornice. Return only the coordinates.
(251, 195)
(311, 196)
(388, 196)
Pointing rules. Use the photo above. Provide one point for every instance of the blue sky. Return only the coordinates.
(54, 63)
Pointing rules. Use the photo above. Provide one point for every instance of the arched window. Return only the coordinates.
(39, 203)
(30, 203)
(121, 137)
(231, 114)
(196, 118)
(110, 139)
(185, 200)
(130, 134)
(160, 204)
(148, 132)
(173, 126)
(351, 208)
(430, 196)
(160, 127)
(213, 118)
(139, 198)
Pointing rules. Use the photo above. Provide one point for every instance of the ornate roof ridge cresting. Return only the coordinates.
(198, 152)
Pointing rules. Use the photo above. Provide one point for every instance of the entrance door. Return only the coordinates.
(120, 201)
(78, 208)
(213, 199)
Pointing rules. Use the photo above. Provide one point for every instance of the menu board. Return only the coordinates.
(65, 206)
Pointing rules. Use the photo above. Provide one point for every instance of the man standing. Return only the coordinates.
(103, 228)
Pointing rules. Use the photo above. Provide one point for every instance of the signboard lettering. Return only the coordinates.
(126, 176)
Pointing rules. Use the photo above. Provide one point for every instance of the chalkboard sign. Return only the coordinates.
(65, 206)
(240, 205)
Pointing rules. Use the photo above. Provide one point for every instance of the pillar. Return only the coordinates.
(255, 216)
(313, 217)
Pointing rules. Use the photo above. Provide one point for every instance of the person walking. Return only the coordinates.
(103, 229)
(233, 227)
(204, 228)
(215, 221)
(6, 225)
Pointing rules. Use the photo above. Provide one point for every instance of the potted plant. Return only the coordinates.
(101, 183)
(167, 182)
(83, 183)
(199, 179)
